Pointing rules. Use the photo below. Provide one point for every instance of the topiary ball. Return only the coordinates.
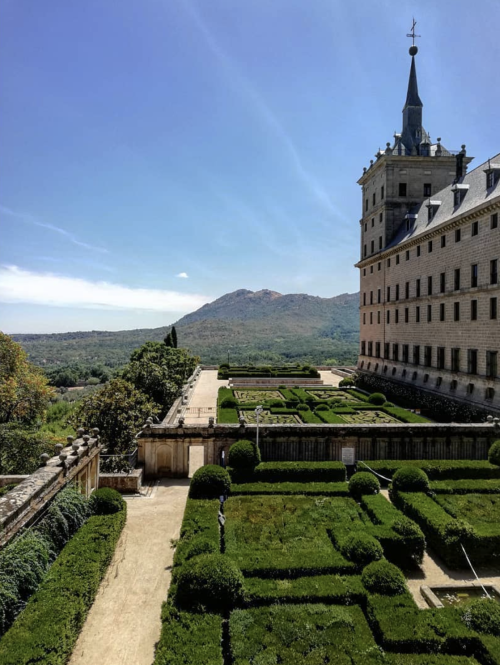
(106, 501)
(377, 398)
(483, 615)
(361, 548)
(229, 403)
(201, 546)
(384, 578)
(363, 483)
(322, 407)
(410, 479)
(494, 453)
(243, 456)
(388, 405)
(303, 407)
(209, 581)
(209, 482)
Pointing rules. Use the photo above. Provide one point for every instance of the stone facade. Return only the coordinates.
(429, 286)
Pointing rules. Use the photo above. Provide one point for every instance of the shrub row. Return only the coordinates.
(440, 469)
(316, 589)
(25, 561)
(199, 531)
(189, 638)
(306, 489)
(46, 631)
(299, 472)
(466, 486)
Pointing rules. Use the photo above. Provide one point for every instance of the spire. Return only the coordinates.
(412, 98)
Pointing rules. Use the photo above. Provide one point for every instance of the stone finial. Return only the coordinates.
(489, 419)
(63, 457)
(211, 421)
(95, 432)
(80, 432)
(86, 439)
(59, 446)
(463, 149)
(44, 458)
(147, 425)
(364, 169)
(496, 423)
(75, 445)
(181, 421)
(70, 440)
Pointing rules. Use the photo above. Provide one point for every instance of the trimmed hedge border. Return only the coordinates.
(299, 472)
(466, 486)
(200, 523)
(346, 590)
(306, 489)
(47, 629)
(188, 638)
(439, 469)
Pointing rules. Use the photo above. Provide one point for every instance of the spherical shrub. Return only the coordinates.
(494, 453)
(243, 456)
(322, 407)
(209, 482)
(347, 382)
(210, 581)
(388, 405)
(303, 407)
(201, 546)
(407, 528)
(483, 615)
(377, 398)
(224, 366)
(384, 578)
(410, 479)
(363, 483)
(106, 501)
(229, 403)
(361, 548)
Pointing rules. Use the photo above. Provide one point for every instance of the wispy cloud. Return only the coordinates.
(25, 286)
(184, 275)
(264, 112)
(30, 219)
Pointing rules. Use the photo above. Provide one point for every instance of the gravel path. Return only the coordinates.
(123, 625)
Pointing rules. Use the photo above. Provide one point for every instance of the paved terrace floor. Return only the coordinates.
(124, 625)
(203, 403)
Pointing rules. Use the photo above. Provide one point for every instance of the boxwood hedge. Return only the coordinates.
(440, 469)
(299, 472)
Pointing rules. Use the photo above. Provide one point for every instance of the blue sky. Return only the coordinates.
(157, 154)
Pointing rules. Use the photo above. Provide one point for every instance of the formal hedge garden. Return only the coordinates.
(298, 565)
(290, 406)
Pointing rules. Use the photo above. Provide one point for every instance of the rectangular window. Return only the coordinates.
(429, 286)
(493, 308)
(443, 241)
(473, 275)
(388, 294)
(494, 271)
(456, 311)
(372, 246)
(366, 227)
(491, 364)
(364, 318)
(455, 360)
(364, 298)
(371, 318)
(370, 348)
(397, 291)
(418, 250)
(397, 259)
(388, 263)
(407, 254)
(457, 279)
(472, 361)
(417, 314)
(473, 310)
(371, 270)
(429, 246)
(377, 349)
(386, 350)
(388, 316)
(494, 221)
(380, 218)
(407, 290)
(371, 297)
(379, 295)
(396, 316)
(442, 312)
(382, 192)
(475, 228)
(442, 282)
(366, 205)
(417, 288)
(429, 313)
(440, 357)
(380, 242)
(428, 356)
(402, 189)
(373, 222)
(416, 355)
(427, 188)
(374, 197)
(395, 351)
(458, 235)
(407, 314)
(364, 272)
(363, 348)
(364, 250)
(406, 352)
(379, 266)
(378, 316)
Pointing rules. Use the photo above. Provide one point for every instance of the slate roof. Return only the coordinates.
(476, 195)
(412, 98)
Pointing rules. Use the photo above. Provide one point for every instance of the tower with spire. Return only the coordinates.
(410, 169)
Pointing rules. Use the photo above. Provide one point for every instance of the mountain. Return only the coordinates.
(260, 326)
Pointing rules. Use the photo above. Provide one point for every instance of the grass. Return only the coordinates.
(257, 395)
(481, 510)
(286, 533)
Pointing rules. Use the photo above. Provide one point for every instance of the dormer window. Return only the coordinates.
(432, 207)
(459, 192)
(492, 175)
(410, 221)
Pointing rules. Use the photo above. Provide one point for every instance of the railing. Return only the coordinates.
(123, 463)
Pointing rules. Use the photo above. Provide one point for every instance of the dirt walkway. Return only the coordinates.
(124, 622)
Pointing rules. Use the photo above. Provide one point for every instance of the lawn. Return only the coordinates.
(481, 510)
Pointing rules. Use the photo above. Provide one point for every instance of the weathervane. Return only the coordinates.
(413, 48)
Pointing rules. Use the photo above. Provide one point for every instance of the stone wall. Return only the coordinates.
(77, 464)
(165, 451)
(122, 482)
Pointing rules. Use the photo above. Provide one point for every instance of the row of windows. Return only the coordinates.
(429, 311)
(493, 224)
(425, 355)
(489, 392)
(394, 293)
(374, 198)
(402, 191)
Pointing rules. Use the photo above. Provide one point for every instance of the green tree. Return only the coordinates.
(173, 333)
(24, 390)
(118, 410)
(159, 372)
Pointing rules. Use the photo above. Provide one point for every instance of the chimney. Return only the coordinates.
(460, 168)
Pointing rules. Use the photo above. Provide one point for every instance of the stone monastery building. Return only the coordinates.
(430, 254)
